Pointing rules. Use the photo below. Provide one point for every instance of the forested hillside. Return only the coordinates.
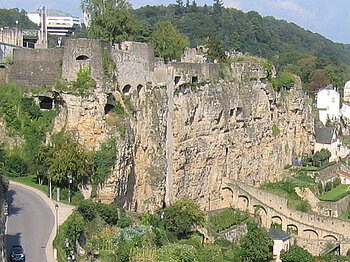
(8, 18)
(315, 59)
(246, 32)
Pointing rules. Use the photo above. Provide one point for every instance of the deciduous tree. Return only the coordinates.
(168, 42)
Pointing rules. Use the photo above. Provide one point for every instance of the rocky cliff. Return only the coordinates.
(181, 139)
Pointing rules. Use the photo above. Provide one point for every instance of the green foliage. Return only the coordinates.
(107, 63)
(321, 157)
(87, 209)
(15, 166)
(9, 16)
(215, 49)
(182, 216)
(303, 176)
(65, 156)
(70, 229)
(296, 254)
(109, 213)
(125, 222)
(168, 42)
(256, 244)
(210, 253)
(283, 80)
(227, 218)
(334, 193)
(128, 104)
(113, 22)
(118, 109)
(275, 130)
(177, 253)
(77, 198)
(104, 160)
(84, 81)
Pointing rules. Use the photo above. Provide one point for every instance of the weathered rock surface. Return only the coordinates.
(182, 143)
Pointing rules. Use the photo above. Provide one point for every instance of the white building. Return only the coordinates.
(328, 102)
(58, 23)
(347, 91)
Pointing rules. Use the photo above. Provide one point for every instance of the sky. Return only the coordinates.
(330, 18)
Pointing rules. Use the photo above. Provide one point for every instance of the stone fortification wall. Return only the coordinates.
(338, 226)
(328, 173)
(134, 64)
(85, 53)
(36, 67)
(334, 209)
(195, 72)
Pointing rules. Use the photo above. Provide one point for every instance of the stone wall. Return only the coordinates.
(36, 67)
(3, 217)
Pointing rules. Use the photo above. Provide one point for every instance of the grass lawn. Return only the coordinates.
(345, 215)
(336, 193)
(30, 181)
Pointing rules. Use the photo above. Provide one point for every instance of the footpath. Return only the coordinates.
(60, 211)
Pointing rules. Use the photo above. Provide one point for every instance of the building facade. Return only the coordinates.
(328, 102)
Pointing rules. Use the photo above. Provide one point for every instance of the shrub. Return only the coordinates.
(275, 130)
(210, 253)
(125, 222)
(87, 208)
(77, 198)
(284, 79)
(227, 218)
(109, 213)
(177, 253)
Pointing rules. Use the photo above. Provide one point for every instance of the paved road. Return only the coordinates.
(30, 222)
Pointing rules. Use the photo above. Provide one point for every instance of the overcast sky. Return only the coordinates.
(331, 18)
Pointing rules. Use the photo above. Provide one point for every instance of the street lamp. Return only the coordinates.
(69, 177)
(56, 207)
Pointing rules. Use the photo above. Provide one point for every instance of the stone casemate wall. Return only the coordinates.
(240, 129)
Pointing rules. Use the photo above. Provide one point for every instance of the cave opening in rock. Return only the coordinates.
(126, 89)
(177, 79)
(194, 79)
(45, 102)
(111, 103)
(139, 87)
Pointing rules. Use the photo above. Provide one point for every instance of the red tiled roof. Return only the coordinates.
(343, 173)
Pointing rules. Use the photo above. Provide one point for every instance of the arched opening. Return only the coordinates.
(126, 89)
(177, 79)
(2, 65)
(276, 222)
(139, 88)
(111, 103)
(45, 102)
(243, 202)
(82, 58)
(227, 195)
(310, 234)
(194, 79)
(330, 238)
(261, 213)
(292, 229)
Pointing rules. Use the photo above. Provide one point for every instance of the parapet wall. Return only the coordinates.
(36, 67)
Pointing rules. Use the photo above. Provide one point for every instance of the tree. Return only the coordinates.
(215, 49)
(67, 157)
(296, 254)
(255, 245)
(168, 42)
(182, 216)
(283, 80)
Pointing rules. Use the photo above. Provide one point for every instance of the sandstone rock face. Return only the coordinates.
(181, 141)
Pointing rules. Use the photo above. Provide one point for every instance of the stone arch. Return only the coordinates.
(126, 89)
(330, 238)
(260, 211)
(292, 229)
(310, 233)
(227, 195)
(45, 102)
(110, 104)
(139, 88)
(82, 58)
(276, 220)
(243, 202)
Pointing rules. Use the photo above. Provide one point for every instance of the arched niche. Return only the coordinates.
(110, 104)
(261, 213)
(126, 89)
(243, 202)
(139, 88)
(330, 238)
(82, 58)
(292, 229)
(45, 102)
(227, 195)
(310, 233)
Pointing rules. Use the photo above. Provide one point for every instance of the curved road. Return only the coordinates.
(30, 222)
